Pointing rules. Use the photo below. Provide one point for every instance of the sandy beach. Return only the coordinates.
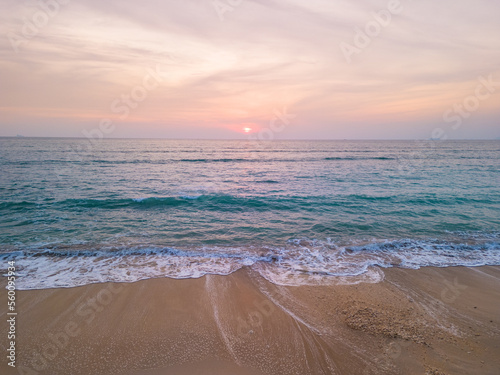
(427, 321)
(233, 187)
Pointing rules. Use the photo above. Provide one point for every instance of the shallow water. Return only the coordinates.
(75, 212)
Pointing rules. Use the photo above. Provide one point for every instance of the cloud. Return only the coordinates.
(263, 56)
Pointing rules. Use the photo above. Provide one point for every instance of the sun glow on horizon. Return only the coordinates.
(127, 64)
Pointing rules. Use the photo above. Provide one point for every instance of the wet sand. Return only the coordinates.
(427, 321)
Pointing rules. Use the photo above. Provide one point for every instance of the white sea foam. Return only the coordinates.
(301, 262)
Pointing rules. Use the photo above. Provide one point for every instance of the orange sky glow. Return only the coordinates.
(301, 70)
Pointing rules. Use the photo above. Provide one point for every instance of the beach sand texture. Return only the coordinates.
(426, 321)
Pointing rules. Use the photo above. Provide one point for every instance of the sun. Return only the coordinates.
(247, 130)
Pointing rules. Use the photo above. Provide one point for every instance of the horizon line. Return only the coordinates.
(259, 140)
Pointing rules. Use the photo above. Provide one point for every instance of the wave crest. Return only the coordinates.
(299, 262)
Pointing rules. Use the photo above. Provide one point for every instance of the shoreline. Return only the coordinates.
(426, 321)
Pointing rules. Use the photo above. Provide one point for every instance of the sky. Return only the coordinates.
(237, 69)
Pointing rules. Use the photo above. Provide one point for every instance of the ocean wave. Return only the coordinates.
(360, 158)
(299, 262)
(201, 199)
(198, 200)
(267, 182)
(16, 206)
(86, 159)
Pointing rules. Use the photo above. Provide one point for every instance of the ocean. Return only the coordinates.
(80, 211)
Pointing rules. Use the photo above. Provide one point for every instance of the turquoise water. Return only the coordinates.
(296, 211)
